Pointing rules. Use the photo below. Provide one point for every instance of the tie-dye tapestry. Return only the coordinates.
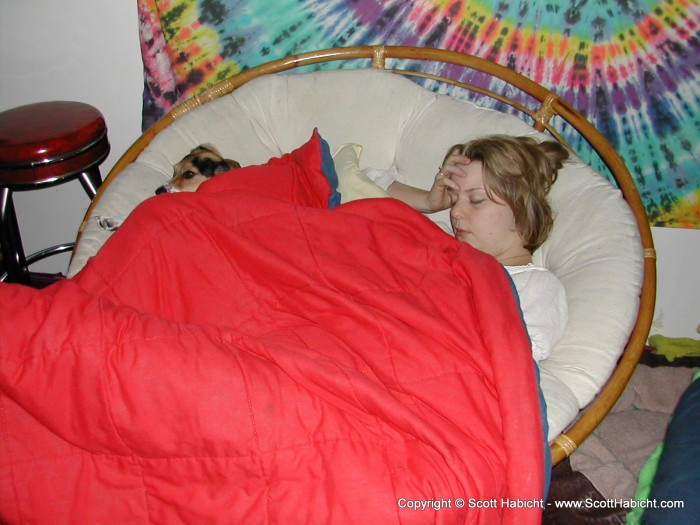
(631, 66)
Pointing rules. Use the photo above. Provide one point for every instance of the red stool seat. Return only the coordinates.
(44, 144)
(50, 140)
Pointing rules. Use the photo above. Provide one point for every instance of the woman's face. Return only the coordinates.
(479, 221)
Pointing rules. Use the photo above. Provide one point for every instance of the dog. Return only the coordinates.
(199, 165)
(202, 163)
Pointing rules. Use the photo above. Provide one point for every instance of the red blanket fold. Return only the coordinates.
(243, 354)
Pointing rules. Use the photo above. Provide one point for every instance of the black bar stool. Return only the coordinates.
(42, 145)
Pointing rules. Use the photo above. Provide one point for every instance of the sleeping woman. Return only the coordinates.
(496, 189)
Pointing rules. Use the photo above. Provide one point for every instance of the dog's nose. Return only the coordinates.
(161, 189)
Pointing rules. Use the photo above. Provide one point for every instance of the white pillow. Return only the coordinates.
(352, 183)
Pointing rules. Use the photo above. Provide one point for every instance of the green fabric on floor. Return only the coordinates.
(646, 479)
(673, 347)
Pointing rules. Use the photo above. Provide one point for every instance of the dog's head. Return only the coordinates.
(202, 163)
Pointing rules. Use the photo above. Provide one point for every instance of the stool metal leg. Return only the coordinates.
(12, 251)
(48, 252)
(91, 181)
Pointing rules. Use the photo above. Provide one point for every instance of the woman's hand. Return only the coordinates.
(439, 197)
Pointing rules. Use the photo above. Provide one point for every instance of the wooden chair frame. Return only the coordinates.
(549, 105)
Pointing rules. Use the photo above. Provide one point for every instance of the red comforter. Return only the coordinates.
(244, 354)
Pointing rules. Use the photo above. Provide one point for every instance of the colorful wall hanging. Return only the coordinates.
(632, 67)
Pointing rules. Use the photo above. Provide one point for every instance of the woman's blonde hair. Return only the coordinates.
(520, 171)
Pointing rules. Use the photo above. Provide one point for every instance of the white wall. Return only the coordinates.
(89, 51)
(677, 311)
(70, 50)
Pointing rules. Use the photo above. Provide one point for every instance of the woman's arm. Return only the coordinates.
(416, 198)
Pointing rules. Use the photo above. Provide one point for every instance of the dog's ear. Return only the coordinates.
(206, 147)
(226, 165)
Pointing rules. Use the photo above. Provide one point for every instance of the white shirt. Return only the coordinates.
(383, 178)
(544, 307)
